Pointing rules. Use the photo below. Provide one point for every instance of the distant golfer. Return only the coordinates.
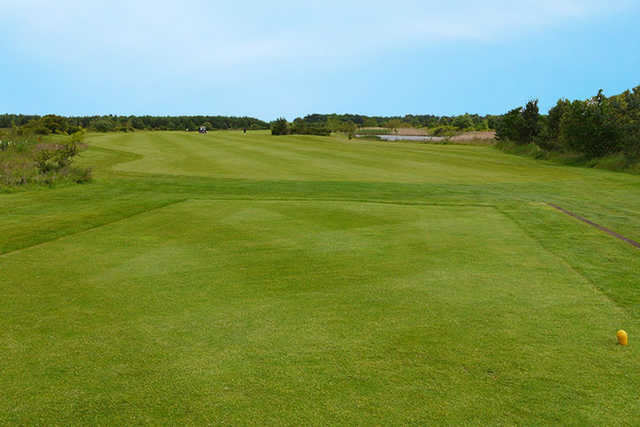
(244, 131)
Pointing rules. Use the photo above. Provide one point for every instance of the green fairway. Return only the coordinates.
(305, 158)
(235, 279)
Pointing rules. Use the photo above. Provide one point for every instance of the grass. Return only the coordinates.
(309, 280)
(31, 161)
(619, 162)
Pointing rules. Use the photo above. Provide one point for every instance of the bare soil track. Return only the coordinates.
(598, 226)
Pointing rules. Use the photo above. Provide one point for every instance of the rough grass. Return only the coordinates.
(614, 162)
(308, 280)
(29, 161)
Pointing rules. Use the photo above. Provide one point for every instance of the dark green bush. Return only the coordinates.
(520, 125)
(444, 131)
(590, 127)
(102, 125)
(280, 127)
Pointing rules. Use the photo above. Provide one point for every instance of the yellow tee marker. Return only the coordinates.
(623, 338)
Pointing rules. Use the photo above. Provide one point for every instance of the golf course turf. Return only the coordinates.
(293, 280)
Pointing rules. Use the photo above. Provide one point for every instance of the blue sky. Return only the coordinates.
(291, 58)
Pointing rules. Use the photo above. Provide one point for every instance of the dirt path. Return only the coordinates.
(598, 226)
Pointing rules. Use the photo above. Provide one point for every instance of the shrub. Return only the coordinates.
(55, 124)
(300, 127)
(349, 128)
(482, 125)
(444, 130)
(102, 125)
(280, 127)
(29, 160)
(463, 122)
(394, 125)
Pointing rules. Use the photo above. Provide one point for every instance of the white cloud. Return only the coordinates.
(198, 34)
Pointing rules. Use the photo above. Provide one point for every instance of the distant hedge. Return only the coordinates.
(336, 122)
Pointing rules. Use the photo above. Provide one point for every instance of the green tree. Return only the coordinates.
(530, 122)
(104, 124)
(298, 127)
(520, 125)
(370, 122)
(393, 125)
(591, 127)
(509, 128)
(555, 117)
(349, 128)
(482, 125)
(627, 111)
(55, 124)
(280, 127)
(333, 123)
(463, 122)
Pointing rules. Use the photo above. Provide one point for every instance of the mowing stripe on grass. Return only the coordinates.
(598, 226)
(93, 227)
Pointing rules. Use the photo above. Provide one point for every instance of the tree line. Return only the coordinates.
(51, 123)
(596, 127)
(314, 124)
(324, 124)
(336, 122)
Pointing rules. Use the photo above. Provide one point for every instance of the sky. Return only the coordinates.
(292, 58)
